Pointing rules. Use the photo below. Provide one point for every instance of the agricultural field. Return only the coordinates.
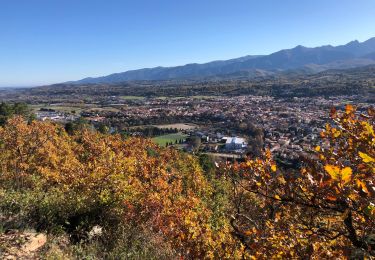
(132, 97)
(104, 109)
(77, 108)
(180, 126)
(65, 108)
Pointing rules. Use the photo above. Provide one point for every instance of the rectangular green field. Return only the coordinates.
(164, 139)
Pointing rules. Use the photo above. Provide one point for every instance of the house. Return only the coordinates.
(235, 143)
(203, 136)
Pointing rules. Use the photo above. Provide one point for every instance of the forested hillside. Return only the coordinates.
(102, 196)
(357, 81)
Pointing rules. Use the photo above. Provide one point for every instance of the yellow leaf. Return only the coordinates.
(353, 196)
(366, 158)
(368, 128)
(281, 179)
(346, 174)
(273, 167)
(317, 148)
(277, 197)
(333, 171)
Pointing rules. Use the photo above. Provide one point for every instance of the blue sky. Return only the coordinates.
(49, 41)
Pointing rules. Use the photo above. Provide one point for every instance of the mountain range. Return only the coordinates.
(310, 60)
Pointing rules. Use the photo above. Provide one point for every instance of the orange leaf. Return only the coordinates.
(362, 185)
(349, 109)
(331, 198)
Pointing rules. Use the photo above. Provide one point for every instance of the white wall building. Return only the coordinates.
(235, 143)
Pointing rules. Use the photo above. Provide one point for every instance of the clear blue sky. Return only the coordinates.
(48, 41)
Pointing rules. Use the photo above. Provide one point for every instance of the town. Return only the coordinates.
(220, 126)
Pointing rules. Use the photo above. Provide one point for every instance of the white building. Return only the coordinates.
(235, 143)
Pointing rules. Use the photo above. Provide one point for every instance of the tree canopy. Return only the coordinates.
(326, 210)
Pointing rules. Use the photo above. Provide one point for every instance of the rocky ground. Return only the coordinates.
(16, 244)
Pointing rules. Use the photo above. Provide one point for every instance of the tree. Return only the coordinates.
(195, 142)
(9, 110)
(69, 128)
(326, 210)
(104, 129)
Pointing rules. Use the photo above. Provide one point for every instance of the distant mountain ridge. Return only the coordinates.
(351, 55)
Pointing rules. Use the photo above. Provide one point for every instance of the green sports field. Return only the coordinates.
(163, 139)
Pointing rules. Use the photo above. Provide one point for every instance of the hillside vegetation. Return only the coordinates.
(152, 202)
(357, 81)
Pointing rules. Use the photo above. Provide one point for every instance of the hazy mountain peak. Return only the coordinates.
(355, 42)
(352, 54)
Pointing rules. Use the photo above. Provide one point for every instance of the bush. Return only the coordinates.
(146, 202)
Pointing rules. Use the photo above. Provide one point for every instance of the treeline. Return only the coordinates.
(149, 131)
(8, 110)
(264, 87)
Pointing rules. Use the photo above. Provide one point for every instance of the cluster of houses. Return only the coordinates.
(291, 125)
(53, 115)
(217, 142)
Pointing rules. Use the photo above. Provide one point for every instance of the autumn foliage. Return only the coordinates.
(255, 209)
(325, 210)
(93, 179)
